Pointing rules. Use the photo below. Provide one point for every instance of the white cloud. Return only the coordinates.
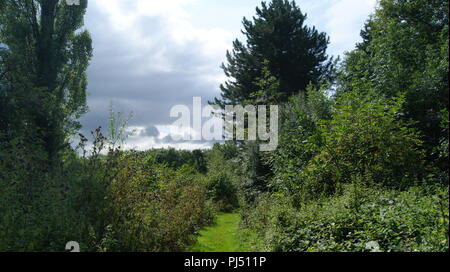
(158, 46)
(344, 21)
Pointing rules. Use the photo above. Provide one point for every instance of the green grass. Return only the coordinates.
(223, 236)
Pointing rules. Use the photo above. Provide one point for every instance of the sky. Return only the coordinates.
(150, 55)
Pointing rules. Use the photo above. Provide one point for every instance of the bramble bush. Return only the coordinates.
(365, 138)
(298, 139)
(222, 179)
(105, 199)
(155, 208)
(388, 220)
(355, 182)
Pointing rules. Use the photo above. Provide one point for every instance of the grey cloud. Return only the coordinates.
(150, 131)
(127, 78)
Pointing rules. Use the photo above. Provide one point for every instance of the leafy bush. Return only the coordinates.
(35, 211)
(442, 148)
(223, 192)
(222, 177)
(364, 139)
(154, 208)
(298, 137)
(106, 200)
(177, 158)
(414, 220)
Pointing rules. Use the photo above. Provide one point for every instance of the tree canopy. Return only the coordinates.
(277, 37)
(44, 57)
(405, 50)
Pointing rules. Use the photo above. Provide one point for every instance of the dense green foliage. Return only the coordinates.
(361, 165)
(44, 57)
(277, 36)
(405, 51)
(104, 198)
(223, 180)
(371, 220)
(176, 159)
(153, 208)
(121, 201)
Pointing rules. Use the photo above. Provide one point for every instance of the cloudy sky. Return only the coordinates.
(150, 55)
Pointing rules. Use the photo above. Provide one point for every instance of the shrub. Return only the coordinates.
(414, 220)
(298, 139)
(107, 200)
(223, 192)
(222, 176)
(365, 138)
(155, 208)
(35, 211)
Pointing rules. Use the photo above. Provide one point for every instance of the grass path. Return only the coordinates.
(220, 237)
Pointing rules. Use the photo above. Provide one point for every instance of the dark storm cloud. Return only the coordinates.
(150, 131)
(145, 80)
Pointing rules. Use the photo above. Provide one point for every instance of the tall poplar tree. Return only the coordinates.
(44, 56)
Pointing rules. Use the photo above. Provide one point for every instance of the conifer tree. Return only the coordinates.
(277, 36)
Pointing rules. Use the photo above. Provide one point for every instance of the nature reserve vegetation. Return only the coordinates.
(361, 165)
